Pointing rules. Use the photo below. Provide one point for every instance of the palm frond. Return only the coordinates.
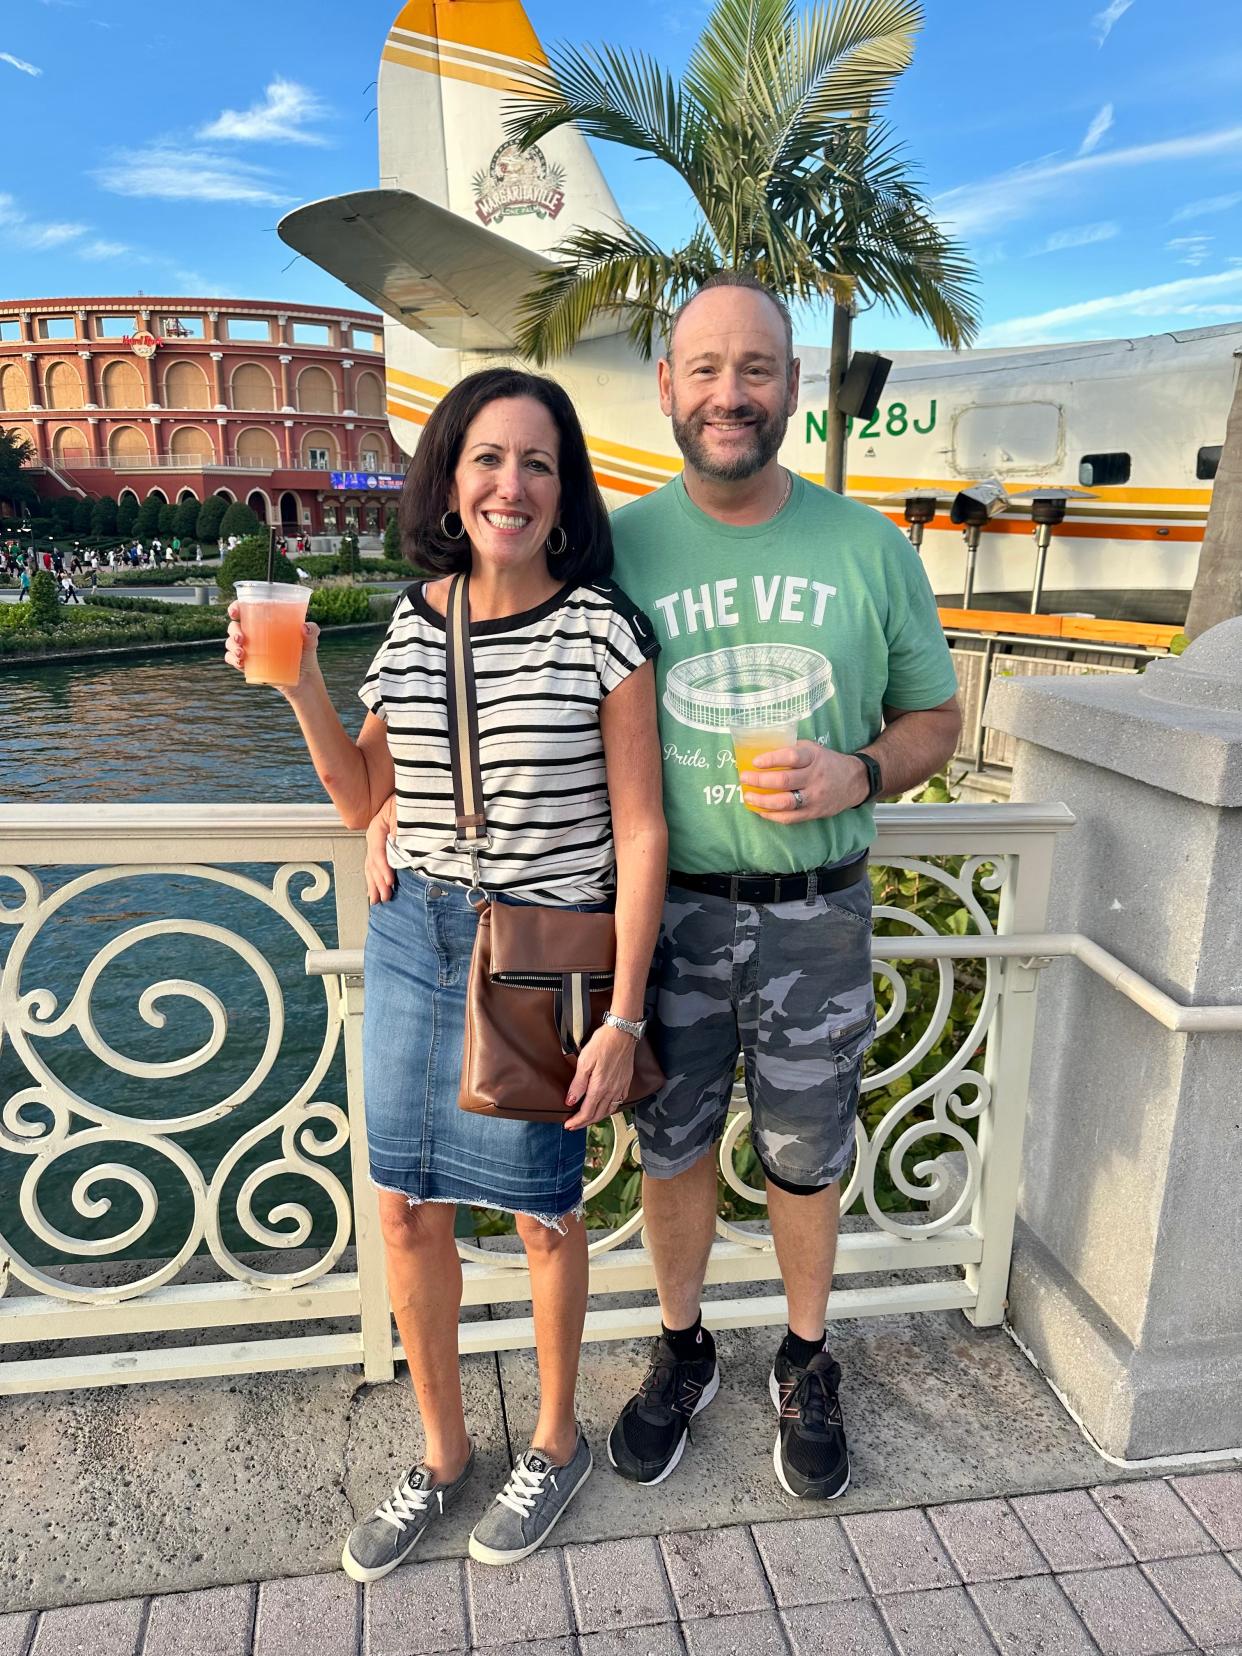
(728, 54)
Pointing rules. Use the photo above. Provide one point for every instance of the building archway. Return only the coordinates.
(121, 386)
(319, 451)
(187, 494)
(62, 386)
(190, 443)
(126, 494)
(157, 494)
(369, 396)
(290, 518)
(257, 447)
(226, 494)
(14, 388)
(185, 386)
(252, 387)
(260, 505)
(69, 444)
(316, 393)
(128, 444)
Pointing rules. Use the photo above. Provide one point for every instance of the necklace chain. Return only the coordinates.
(788, 491)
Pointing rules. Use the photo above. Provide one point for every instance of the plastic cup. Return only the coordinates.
(751, 741)
(272, 614)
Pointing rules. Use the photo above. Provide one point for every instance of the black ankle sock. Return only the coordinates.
(800, 1351)
(690, 1345)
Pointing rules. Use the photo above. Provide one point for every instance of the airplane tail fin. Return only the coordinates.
(448, 69)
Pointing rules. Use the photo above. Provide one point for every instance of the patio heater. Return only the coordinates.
(918, 507)
(972, 508)
(1047, 511)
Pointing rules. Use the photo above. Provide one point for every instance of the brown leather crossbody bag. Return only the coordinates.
(540, 978)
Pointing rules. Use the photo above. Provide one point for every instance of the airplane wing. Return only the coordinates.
(456, 283)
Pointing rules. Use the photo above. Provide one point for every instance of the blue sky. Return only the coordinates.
(1088, 151)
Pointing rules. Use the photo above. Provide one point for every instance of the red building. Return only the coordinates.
(194, 397)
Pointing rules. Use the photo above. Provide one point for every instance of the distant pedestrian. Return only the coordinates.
(68, 592)
(94, 578)
(23, 585)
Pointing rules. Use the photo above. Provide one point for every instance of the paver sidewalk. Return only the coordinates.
(1124, 1569)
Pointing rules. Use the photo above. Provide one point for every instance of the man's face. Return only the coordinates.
(728, 386)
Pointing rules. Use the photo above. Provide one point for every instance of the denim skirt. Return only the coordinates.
(421, 1145)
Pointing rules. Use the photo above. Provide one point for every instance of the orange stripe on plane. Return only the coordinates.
(1077, 529)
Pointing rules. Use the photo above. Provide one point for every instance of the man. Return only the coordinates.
(773, 601)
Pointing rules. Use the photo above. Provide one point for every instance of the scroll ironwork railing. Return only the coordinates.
(170, 1208)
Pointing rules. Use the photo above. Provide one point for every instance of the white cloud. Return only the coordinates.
(1163, 299)
(974, 208)
(165, 172)
(1193, 250)
(37, 238)
(280, 118)
(103, 250)
(19, 63)
(1209, 204)
(1103, 21)
(1096, 130)
(1082, 235)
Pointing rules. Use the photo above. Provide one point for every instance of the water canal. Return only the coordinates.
(145, 729)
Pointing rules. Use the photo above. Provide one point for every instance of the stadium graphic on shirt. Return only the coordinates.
(749, 687)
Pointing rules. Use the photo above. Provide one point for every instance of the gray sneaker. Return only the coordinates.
(521, 1517)
(379, 1543)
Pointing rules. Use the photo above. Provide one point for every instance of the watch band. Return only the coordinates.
(635, 1028)
(875, 777)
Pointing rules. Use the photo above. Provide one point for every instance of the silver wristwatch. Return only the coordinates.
(635, 1028)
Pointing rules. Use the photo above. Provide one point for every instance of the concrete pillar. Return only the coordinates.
(88, 379)
(1126, 1282)
(217, 379)
(347, 386)
(286, 400)
(32, 374)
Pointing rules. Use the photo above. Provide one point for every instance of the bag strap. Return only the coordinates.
(463, 720)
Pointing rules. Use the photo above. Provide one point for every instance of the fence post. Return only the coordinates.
(1007, 1069)
(373, 1309)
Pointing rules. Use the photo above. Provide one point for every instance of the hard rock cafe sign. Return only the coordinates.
(517, 181)
(142, 344)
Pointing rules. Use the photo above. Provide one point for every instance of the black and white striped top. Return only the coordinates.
(540, 678)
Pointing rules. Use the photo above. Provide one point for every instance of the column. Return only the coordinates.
(155, 441)
(220, 440)
(98, 453)
(286, 399)
(1125, 1280)
(213, 328)
(347, 386)
(32, 373)
(24, 318)
(217, 379)
(349, 460)
(286, 443)
(282, 326)
(88, 379)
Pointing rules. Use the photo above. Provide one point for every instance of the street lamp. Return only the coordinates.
(1047, 510)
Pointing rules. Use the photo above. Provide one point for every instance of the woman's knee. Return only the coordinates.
(543, 1238)
(405, 1225)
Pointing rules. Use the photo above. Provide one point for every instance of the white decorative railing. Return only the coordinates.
(59, 1145)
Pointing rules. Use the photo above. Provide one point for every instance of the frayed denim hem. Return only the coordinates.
(549, 1221)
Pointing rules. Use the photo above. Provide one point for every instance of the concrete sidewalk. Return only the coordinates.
(1130, 1569)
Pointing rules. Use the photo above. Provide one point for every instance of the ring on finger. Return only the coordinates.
(798, 800)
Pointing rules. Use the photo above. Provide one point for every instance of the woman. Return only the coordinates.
(501, 486)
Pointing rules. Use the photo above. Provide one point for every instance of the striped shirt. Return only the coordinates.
(540, 678)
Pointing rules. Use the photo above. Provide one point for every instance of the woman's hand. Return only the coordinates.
(381, 879)
(602, 1078)
(235, 649)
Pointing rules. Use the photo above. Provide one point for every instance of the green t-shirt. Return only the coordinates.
(823, 614)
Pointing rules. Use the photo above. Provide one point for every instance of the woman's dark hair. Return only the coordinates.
(425, 497)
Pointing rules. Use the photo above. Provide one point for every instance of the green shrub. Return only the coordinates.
(63, 509)
(347, 561)
(239, 520)
(126, 517)
(168, 516)
(392, 539)
(210, 516)
(185, 519)
(13, 617)
(103, 516)
(44, 604)
(147, 522)
(82, 513)
(248, 562)
(339, 606)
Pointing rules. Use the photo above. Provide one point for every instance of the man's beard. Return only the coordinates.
(767, 435)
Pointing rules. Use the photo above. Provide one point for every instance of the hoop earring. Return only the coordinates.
(452, 534)
(557, 551)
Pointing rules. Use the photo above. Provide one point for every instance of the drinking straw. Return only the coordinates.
(271, 554)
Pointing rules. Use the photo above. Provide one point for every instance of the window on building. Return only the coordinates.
(317, 459)
(56, 327)
(10, 331)
(114, 327)
(182, 327)
(1207, 462)
(248, 327)
(1103, 471)
(370, 460)
(366, 339)
(311, 333)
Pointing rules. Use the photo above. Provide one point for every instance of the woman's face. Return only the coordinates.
(506, 486)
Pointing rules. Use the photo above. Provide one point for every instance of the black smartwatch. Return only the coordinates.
(875, 780)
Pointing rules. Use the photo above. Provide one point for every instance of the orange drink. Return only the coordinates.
(271, 617)
(749, 744)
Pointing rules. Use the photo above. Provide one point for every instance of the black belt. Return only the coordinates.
(772, 888)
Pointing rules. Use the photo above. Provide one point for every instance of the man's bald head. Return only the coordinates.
(743, 281)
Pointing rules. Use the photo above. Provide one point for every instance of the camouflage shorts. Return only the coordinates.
(788, 985)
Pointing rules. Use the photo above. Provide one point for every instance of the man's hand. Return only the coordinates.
(827, 783)
(381, 880)
(602, 1078)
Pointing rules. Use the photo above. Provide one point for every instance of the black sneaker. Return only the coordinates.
(810, 1455)
(651, 1430)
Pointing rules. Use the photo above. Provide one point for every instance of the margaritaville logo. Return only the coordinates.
(518, 181)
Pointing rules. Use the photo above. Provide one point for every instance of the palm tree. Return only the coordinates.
(772, 129)
(1217, 593)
